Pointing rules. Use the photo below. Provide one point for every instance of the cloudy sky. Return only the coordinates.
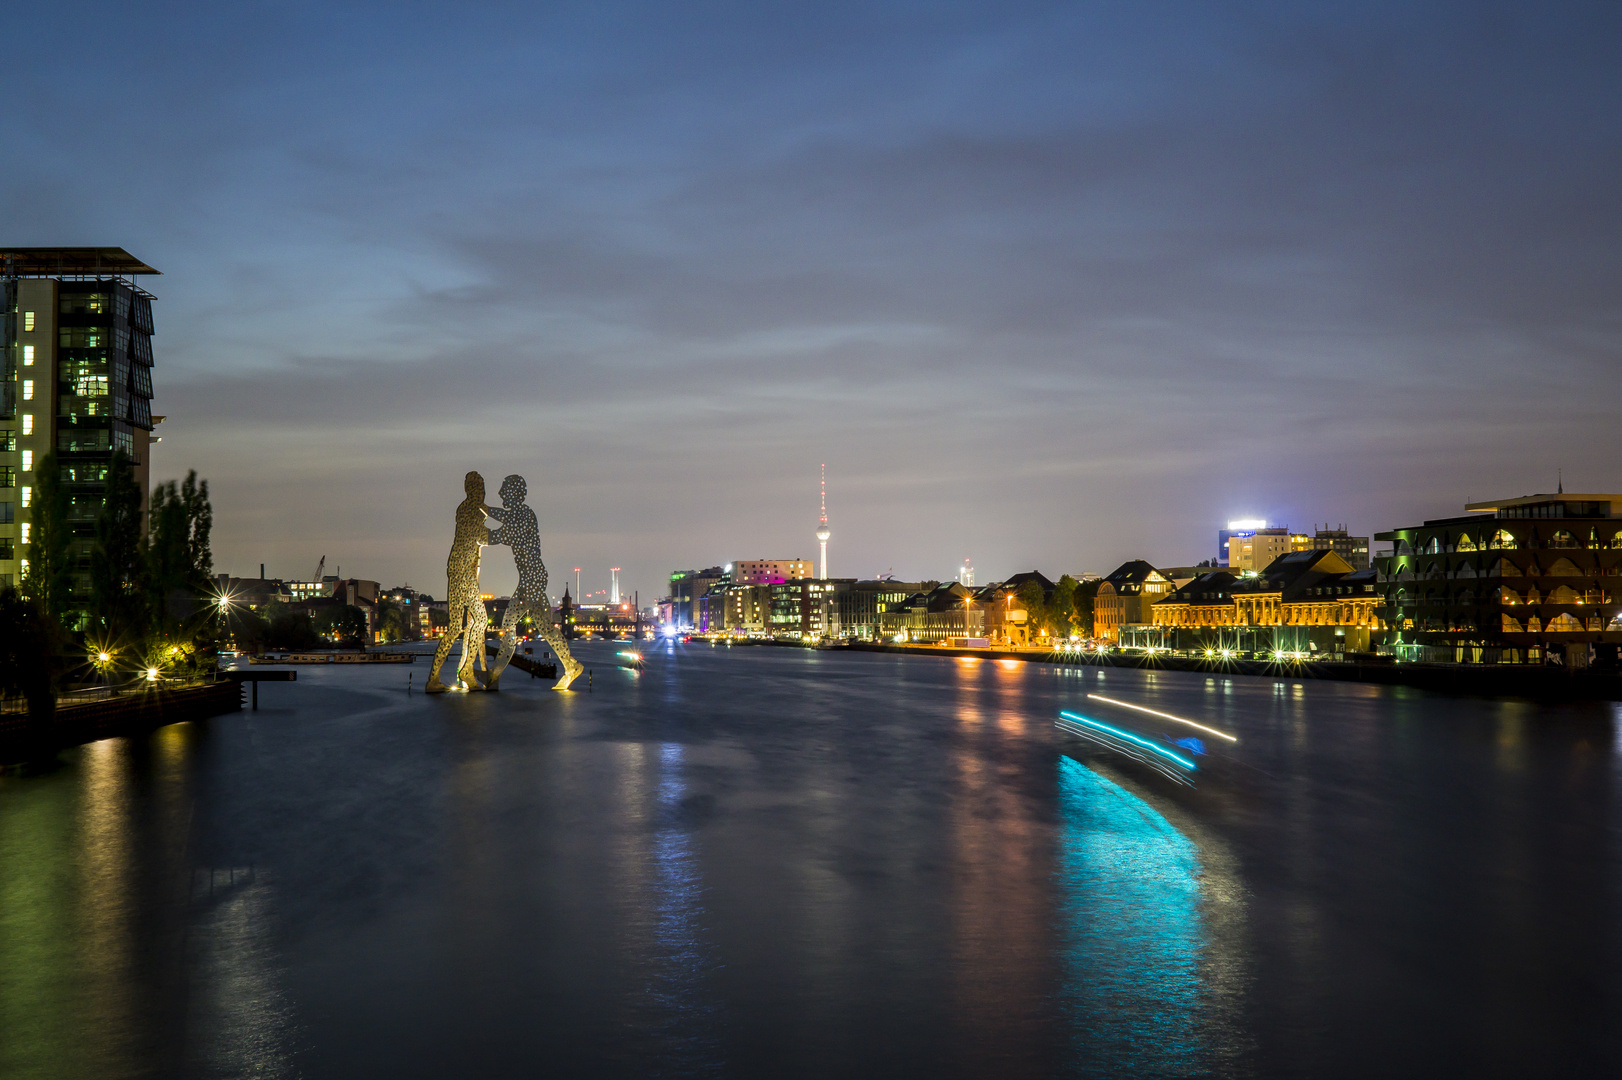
(1046, 286)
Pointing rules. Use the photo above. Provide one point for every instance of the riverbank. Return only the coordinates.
(80, 722)
(1534, 682)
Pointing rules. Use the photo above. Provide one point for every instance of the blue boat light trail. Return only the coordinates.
(1165, 716)
(1128, 743)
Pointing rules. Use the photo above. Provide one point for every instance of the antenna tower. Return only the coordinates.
(822, 525)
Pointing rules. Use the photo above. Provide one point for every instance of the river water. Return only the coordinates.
(773, 862)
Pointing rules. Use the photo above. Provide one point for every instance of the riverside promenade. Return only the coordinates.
(1534, 682)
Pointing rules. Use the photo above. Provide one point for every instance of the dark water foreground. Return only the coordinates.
(773, 862)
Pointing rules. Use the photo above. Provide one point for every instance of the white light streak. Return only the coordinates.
(1165, 716)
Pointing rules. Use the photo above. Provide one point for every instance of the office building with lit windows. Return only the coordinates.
(1535, 579)
(1354, 549)
(76, 333)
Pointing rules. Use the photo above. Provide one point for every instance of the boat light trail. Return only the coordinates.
(1120, 734)
(1164, 716)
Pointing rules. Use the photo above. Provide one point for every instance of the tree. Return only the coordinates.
(345, 622)
(49, 578)
(117, 566)
(1061, 608)
(391, 620)
(1081, 606)
(31, 649)
(179, 561)
(1034, 601)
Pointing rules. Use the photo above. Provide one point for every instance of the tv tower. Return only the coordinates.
(822, 525)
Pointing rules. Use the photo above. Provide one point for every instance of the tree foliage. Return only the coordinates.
(49, 578)
(178, 559)
(31, 649)
(1081, 606)
(392, 623)
(118, 594)
(1061, 608)
(344, 622)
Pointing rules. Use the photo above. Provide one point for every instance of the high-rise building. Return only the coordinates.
(76, 331)
(1238, 527)
(1250, 551)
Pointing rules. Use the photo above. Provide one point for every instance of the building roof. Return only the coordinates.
(1530, 500)
(1129, 577)
(50, 261)
(1291, 572)
(1214, 587)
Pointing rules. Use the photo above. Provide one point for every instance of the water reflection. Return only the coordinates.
(1153, 974)
(662, 911)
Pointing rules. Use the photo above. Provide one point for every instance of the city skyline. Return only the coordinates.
(1055, 287)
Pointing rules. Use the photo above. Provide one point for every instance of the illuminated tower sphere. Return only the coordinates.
(822, 526)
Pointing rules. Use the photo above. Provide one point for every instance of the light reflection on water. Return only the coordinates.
(1152, 981)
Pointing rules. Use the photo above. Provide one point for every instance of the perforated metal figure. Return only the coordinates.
(468, 619)
(520, 531)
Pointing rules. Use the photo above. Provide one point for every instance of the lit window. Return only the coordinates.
(28, 356)
(28, 460)
(28, 496)
(28, 388)
(24, 528)
(28, 320)
(28, 423)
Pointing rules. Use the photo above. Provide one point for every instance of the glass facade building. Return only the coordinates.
(76, 334)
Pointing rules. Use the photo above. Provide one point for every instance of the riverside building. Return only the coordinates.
(1533, 579)
(76, 333)
(1303, 603)
(1354, 549)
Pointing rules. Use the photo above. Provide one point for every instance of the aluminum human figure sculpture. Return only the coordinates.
(468, 619)
(520, 531)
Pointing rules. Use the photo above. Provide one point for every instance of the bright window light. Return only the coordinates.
(28, 320)
(28, 356)
(28, 460)
(28, 496)
(28, 423)
(28, 388)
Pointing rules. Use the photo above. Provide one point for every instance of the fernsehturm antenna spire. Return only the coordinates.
(822, 525)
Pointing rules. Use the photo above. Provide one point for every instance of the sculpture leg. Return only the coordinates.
(569, 668)
(473, 645)
(441, 654)
(509, 641)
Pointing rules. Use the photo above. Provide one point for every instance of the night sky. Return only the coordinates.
(1046, 286)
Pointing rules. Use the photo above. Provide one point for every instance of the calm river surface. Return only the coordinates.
(770, 862)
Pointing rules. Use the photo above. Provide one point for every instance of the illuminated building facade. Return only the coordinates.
(1311, 602)
(1127, 598)
(1532, 579)
(1006, 619)
(952, 610)
(801, 607)
(856, 607)
(1249, 551)
(684, 607)
(76, 335)
(769, 571)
